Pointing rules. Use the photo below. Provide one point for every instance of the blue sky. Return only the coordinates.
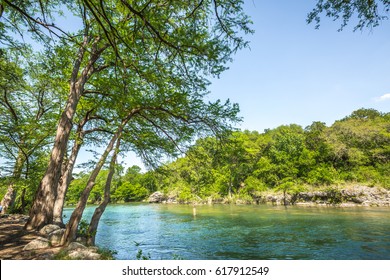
(293, 73)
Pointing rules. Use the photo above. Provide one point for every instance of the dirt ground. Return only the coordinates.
(13, 238)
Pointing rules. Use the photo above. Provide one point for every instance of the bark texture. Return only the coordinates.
(9, 198)
(42, 210)
(66, 179)
(93, 225)
(71, 227)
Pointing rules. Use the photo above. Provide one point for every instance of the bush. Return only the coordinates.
(128, 192)
(368, 174)
(253, 186)
(185, 195)
(323, 175)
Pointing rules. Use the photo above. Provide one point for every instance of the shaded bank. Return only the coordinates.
(16, 243)
(13, 238)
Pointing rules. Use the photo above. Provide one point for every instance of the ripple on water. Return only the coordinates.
(244, 232)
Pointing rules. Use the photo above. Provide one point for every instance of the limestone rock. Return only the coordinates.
(81, 239)
(156, 197)
(78, 251)
(76, 246)
(39, 243)
(55, 236)
(86, 254)
(48, 229)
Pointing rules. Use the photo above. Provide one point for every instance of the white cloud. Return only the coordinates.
(383, 97)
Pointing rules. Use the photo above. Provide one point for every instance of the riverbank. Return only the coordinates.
(344, 196)
(13, 239)
(16, 243)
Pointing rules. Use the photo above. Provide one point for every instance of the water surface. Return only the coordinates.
(244, 232)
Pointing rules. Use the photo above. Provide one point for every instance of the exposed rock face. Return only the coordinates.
(357, 195)
(171, 199)
(156, 197)
(39, 243)
(372, 196)
(348, 196)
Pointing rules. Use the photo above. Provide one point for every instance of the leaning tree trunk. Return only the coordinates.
(93, 225)
(42, 210)
(9, 197)
(75, 218)
(65, 181)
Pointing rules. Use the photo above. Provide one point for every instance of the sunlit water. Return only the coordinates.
(244, 232)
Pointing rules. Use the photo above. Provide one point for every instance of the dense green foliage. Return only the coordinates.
(288, 158)
(136, 73)
(29, 107)
(133, 71)
(130, 186)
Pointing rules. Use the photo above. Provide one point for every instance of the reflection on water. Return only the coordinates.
(244, 232)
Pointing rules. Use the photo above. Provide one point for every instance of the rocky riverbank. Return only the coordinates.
(342, 197)
(332, 196)
(19, 244)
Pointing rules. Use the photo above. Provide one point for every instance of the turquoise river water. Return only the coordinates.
(244, 232)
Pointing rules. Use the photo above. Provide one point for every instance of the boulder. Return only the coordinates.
(156, 197)
(74, 246)
(55, 236)
(78, 251)
(81, 239)
(39, 243)
(46, 230)
(85, 254)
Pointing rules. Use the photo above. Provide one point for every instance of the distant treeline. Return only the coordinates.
(288, 158)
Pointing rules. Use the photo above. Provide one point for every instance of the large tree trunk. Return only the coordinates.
(41, 212)
(9, 198)
(23, 201)
(93, 225)
(75, 218)
(65, 181)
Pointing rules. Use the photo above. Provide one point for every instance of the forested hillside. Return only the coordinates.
(288, 158)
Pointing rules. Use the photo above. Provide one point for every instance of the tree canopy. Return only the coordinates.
(367, 14)
(132, 71)
(354, 149)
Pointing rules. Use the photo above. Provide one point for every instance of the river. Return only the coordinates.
(164, 231)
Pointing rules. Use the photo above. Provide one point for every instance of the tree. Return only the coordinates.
(156, 125)
(183, 41)
(72, 225)
(28, 107)
(93, 225)
(368, 13)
